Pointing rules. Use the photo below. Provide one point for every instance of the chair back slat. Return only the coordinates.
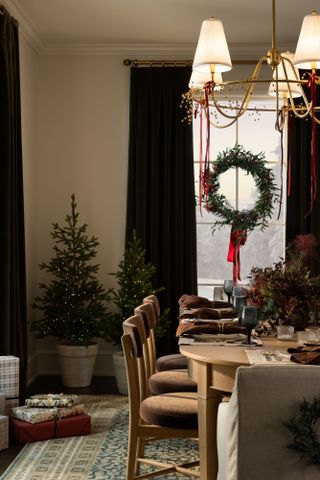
(154, 301)
(146, 311)
(132, 375)
(134, 327)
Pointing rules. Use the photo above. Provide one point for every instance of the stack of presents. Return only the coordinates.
(42, 417)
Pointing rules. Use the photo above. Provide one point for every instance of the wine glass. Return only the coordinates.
(228, 287)
(239, 301)
(237, 292)
(250, 320)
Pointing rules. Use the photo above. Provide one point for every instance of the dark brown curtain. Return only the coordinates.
(298, 203)
(161, 201)
(13, 338)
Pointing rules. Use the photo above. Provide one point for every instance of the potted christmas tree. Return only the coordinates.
(134, 284)
(73, 302)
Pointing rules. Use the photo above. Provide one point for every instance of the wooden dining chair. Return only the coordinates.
(165, 362)
(167, 380)
(155, 417)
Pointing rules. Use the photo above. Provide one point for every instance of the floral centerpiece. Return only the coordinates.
(287, 293)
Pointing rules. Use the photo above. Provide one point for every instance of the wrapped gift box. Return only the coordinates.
(24, 432)
(4, 432)
(9, 381)
(53, 400)
(44, 414)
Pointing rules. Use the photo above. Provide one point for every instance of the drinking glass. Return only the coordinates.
(250, 320)
(239, 302)
(228, 287)
(237, 292)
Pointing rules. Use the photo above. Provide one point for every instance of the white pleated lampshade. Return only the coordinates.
(198, 79)
(212, 53)
(283, 90)
(308, 48)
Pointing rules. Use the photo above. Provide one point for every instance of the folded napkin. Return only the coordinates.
(208, 313)
(305, 355)
(214, 328)
(193, 301)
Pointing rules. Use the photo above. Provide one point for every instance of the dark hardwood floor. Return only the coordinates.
(52, 384)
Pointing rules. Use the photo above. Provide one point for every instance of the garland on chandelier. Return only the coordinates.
(303, 426)
(244, 220)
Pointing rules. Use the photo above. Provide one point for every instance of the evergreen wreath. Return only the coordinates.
(263, 177)
(303, 427)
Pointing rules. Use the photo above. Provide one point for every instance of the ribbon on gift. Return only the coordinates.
(237, 238)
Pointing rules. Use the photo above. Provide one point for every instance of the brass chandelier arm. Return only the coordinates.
(306, 104)
(245, 101)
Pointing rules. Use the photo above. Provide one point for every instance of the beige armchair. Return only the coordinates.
(251, 436)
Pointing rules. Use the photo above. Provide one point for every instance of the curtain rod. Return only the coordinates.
(173, 63)
(5, 11)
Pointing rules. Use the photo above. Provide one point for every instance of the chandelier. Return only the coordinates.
(212, 58)
(294, 96)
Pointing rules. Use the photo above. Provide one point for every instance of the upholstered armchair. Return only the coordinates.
(251, 433)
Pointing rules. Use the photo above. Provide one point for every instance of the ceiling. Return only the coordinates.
(157, 24)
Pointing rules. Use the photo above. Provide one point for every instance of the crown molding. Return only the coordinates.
(170, 50)
(26, 26)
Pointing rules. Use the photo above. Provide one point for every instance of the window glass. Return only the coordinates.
(256, 133)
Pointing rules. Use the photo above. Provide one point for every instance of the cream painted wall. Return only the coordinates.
(75, 113)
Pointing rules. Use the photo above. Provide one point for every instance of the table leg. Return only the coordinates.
(208, 401)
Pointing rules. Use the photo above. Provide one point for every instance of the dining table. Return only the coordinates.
(213, 368)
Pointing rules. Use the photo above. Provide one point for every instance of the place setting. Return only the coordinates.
(236, 330)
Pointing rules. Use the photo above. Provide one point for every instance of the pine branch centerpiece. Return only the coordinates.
(73, 303)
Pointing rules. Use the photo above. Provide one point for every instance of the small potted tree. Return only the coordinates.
(134, 284)
(73, 302)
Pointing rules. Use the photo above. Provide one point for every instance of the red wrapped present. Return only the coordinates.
(25, 432)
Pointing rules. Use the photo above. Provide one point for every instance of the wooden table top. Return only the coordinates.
(228, 355)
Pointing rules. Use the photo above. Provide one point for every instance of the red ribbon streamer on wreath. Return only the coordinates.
(313, 184)
(237, 238)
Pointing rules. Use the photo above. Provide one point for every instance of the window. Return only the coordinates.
(255, 132)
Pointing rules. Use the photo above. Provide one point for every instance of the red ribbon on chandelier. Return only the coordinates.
(313, 184)
(237, 238)
(204, 173)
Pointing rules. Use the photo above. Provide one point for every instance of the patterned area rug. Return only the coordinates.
(99, 456)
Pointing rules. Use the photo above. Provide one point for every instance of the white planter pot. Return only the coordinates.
(120, 371)
(77, 364)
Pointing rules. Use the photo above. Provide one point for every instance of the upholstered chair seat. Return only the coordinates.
(172, 410)
(165, 362)
(177, 380)
(171, 362)
(171, 381)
